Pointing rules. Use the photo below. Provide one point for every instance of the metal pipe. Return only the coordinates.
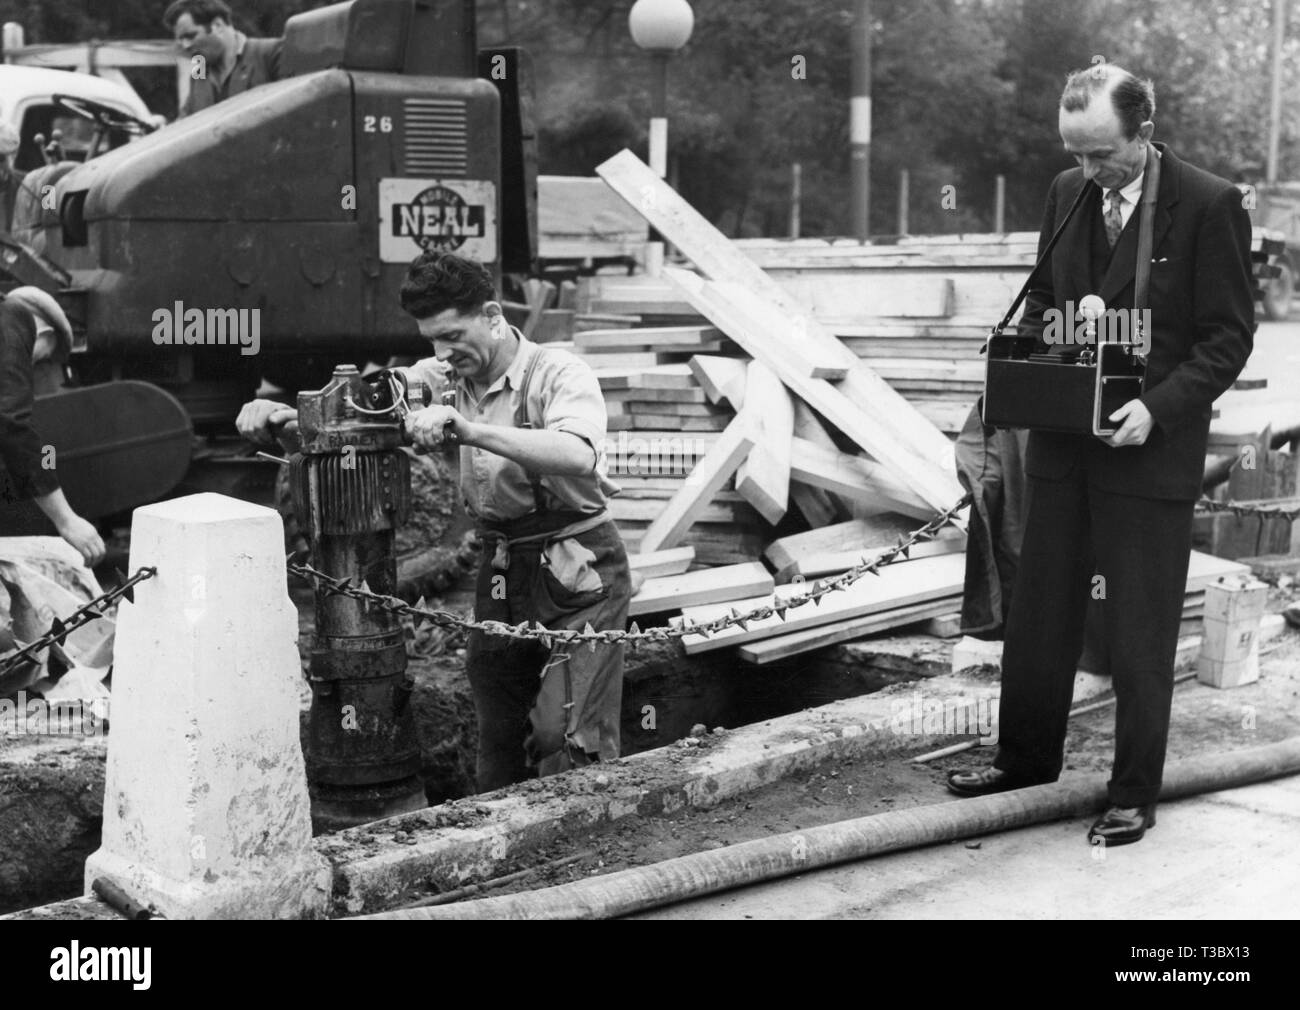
(763, 859)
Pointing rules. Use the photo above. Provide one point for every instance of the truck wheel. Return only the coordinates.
(1278, 294)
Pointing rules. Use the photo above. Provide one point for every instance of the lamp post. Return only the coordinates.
(660, 27)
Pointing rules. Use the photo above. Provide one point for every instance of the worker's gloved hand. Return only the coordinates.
(84, 537)
(430, 428)
(259, 420)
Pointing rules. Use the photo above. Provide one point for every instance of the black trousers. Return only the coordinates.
(1130, 553)
(543, 711)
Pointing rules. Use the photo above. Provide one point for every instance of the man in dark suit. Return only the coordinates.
(231, 62)
(1111, 517)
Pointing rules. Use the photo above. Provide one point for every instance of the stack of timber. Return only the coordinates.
(775, 451)
(917, 309)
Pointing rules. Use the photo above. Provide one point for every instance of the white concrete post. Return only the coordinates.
(206, 812)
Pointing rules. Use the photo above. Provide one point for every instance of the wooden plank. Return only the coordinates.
(661, 563)
(854, 478)
(683, 423)
(637, 406)
(812, 566)
(709, 585)
(595, 320)
(723, 379)
(808, 426)
(873, 415)
(622, 360)
(540, 294)
(854, 535)
(624, 507)
(860, 295)
(858, 409)
(688, 337)
(705, 478)
(666, 482)
(784, 646)
(896, 586)
(713, 544)
(674, 376)
(764, 477)
(693, 395)
(813, 503)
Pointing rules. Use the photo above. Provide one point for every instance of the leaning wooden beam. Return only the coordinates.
(808, 426)
(876, 426)
(896, 435)
(896, 586)
(814, 503)
(764, 478)
(723, 379)
(705, 478)
(854, 478)
(708, 585)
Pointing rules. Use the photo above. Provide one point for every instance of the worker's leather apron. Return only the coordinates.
(538, 708)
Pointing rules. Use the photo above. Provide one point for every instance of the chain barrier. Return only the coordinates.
(589, 636)
(60, 628)
(1239, 510)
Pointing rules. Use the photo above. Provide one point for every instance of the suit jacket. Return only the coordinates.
(257, 63)
(1202, 305)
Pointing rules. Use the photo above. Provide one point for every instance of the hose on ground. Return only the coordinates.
(644, 887)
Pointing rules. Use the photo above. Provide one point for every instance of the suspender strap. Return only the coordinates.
(522, 421)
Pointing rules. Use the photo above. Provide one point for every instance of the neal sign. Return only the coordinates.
(420, 214)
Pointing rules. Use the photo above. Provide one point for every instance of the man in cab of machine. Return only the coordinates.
(530, 425)
(231, 63)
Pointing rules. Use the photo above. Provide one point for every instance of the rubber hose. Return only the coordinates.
(643, 887)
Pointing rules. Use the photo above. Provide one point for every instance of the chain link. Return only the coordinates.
(589, 636)
(60, 628)
(1238, 509)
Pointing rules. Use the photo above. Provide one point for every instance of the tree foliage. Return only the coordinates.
(963, 91)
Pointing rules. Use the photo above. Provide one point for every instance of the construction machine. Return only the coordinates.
(265, 239)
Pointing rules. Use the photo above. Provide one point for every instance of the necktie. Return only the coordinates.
(1114, 221)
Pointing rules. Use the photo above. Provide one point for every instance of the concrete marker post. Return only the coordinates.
(206, 811)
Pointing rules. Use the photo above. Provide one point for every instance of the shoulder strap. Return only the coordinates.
(1056, 237)
(1150, 188)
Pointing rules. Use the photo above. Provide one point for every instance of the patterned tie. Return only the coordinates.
(1113, 220)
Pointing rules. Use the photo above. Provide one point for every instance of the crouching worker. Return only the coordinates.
(530, 424)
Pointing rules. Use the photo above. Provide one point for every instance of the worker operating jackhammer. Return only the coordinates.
(530, 425)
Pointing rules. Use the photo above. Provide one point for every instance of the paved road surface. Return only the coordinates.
(1228, 855)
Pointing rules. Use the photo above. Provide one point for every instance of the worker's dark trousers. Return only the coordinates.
(1140, 547)
(543, 711)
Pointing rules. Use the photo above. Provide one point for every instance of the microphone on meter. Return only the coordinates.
(1091, 308)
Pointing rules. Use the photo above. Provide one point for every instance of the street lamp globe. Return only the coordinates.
(661, 26)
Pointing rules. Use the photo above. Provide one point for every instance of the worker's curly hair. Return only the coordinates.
(436, 281)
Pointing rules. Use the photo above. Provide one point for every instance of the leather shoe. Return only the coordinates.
(984, 782)
(1122, 825)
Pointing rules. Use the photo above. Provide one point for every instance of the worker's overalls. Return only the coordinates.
(538, 708)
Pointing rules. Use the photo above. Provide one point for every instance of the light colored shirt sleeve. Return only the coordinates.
(572, 401)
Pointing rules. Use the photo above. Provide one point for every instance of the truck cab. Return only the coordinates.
(27, 104)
